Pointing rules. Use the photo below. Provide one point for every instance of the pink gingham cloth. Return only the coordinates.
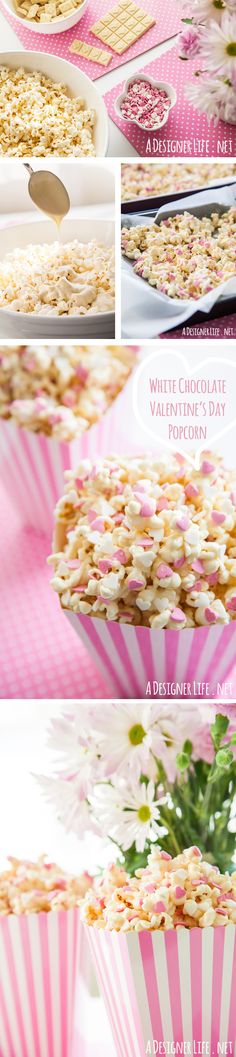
(187, 132)
(167, 24)
(40, 656)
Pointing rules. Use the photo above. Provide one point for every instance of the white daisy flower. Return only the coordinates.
(215, 98)
(78, 756)
(125, 732)
(72, 812)
(218, 46)
(204, 10)
(128, 815)
(175, 726)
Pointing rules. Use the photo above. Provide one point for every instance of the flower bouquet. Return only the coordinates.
(210, 35)
(130, 773)
(148, 773)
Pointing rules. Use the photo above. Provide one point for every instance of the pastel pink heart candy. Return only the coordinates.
(104, 565)
(210, 615)
(135, 585)
(191, 490)
(207, 467)
(217, 517)
(120, 556)
(178, 616)
(163, 571)
(231, 605)
(183, 523)
(197, 566)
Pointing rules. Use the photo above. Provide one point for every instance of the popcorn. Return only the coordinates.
(138, 561)
(143, 179)
(156, 900)
(38, 116)
(71, 279)
(61, 390)
(29, 887)
(184, 256)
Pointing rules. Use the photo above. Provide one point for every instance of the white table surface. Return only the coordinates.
(119, 146)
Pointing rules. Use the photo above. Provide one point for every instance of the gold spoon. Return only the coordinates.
(48, 193)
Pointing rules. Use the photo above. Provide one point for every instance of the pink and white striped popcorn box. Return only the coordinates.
(86, 970)
(136, 660)
(164, 988)
(32, 465)
(39, 962)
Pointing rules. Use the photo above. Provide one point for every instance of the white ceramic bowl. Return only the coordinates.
(48, 28)
(163, 85)
(77, 82)
(21, 325)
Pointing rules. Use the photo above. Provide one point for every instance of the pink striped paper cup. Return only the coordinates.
(32, 465)
(136, 660)
(164, 988)
(86, 969)
(38, 958)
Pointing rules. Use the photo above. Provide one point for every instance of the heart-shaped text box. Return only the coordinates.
(186, 408)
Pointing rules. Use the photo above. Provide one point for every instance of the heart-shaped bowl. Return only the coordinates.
(162, 85)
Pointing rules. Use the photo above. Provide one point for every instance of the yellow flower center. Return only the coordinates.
(231, 49)
(144, 813)
(137, 734)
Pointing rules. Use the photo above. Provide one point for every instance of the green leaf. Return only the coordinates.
(224, 757)
(219, 729)
(188, 747)
(182, 760)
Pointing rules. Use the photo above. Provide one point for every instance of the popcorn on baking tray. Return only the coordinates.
(71, 279)
(38, 116)
(147, 540)
(184, 256)
(31, 887)
(184, 892)
(61, 390)
(143, 179)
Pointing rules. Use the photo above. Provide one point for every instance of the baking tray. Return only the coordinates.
(152, 312)
(149, 206)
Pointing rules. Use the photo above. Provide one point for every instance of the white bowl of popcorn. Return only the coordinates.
(55, 289)
(46, 16)
(35, 122)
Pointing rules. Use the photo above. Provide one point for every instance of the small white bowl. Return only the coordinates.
(163, 85)
(19, 325)
(75, 80)
(48, 28)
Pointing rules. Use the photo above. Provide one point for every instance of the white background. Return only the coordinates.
(29, 825)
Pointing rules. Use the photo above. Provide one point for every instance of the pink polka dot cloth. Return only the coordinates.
(187, 132)
(167, 25)
(224, 327)
(40, 655)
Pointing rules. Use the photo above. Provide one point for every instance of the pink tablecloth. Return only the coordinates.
(40, 656)
(187, 132)
(167, 24)
(224, 327)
